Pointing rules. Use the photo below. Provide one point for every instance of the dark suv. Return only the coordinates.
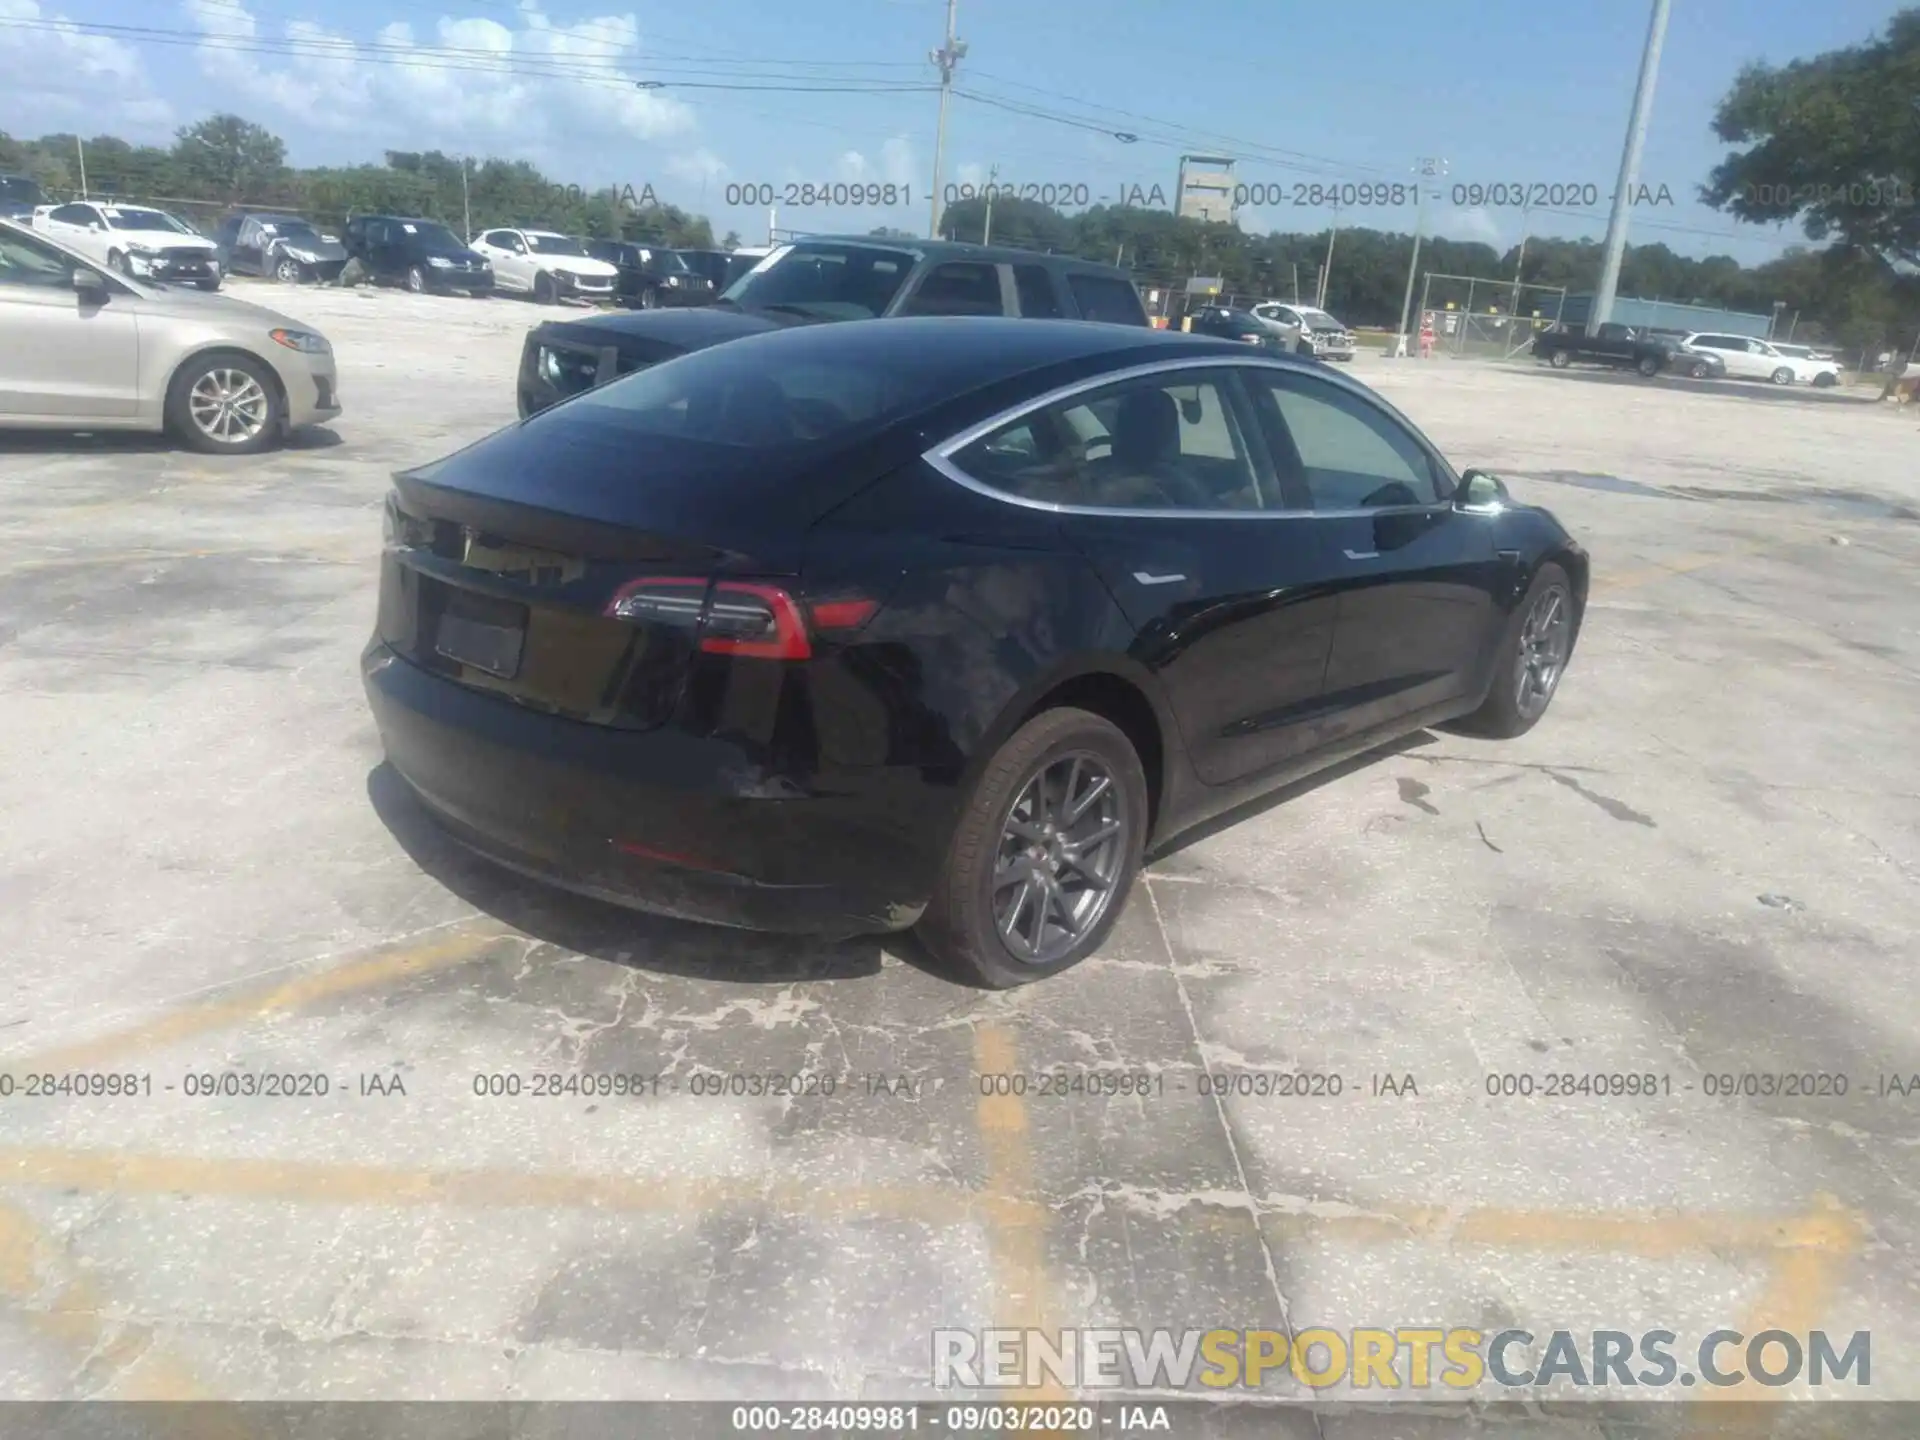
(651, 276)
(824, 279)
(421, 254)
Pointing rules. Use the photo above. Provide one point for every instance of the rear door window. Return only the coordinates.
(1033, 286)
(1171, 442)
(957, 288)
(1108, 298)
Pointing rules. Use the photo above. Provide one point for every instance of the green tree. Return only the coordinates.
(231, 159)
(1832, 142)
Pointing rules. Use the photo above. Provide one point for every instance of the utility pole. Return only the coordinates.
(1427, 167)
(81, 146)
(1320, 300)
(986, 231)
(466, 205)
(1602, 308)
(946, 57)
(1519, 266)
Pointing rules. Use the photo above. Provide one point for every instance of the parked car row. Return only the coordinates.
(1700, 355)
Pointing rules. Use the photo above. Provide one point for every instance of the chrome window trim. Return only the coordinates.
(940, 457)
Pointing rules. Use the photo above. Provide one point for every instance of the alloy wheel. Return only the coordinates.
(229, 406)
(1059, 861)
(287, 272)
(1546, 639)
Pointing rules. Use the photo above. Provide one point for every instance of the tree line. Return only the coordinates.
(1831, 144)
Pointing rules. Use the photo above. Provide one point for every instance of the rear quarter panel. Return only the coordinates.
(986, 609)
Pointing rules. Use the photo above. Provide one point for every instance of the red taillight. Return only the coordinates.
(738, 617)
(745, 618)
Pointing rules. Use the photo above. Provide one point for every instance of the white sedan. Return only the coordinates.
(545, 265)
(1751, 359)
(145, 243)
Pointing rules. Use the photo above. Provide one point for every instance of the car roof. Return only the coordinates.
(982, 350)
(938, 250)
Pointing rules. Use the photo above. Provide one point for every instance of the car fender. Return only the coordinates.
(1031, 694)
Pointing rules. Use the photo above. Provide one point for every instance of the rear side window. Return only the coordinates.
(957, 288)
(1108, 298)
(1034, 286)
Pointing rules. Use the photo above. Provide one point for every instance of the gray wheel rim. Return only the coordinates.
(1546, 637)
(1783, 376)
(229, 406)
(416, 281)
(288, 270)
(1060, 856)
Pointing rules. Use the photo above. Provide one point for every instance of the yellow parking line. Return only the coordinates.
(386, 966)
(75, 1315)
(117, 1173)
(1604, 584)
(1017, 1229)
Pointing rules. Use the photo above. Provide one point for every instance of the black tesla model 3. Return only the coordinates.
(938, 623)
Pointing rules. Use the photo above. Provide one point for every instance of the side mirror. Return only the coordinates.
(95, 226)
(90, 286)
(1481, 491)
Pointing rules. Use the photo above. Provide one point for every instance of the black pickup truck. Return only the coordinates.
(1620, 346)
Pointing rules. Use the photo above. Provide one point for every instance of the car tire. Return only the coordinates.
(287, 272)
(1697, 371)
(416, 280)
(544, 290)
(193, 397)
(1648, 365)
(1506, 712)
(117, 260)
(650, 299)
(1825, 380)
(1782, 376)
(1559, 359)
(209, 285)
(962, 927)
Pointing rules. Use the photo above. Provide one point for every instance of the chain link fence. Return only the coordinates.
(1474, 317)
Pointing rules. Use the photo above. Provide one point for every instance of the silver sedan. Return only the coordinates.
(83, 348)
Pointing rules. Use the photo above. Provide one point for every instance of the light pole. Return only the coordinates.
(1427, 167)
(986, 230)
(81, 146)
(466, 205)
(1601, 310)
(946, 57)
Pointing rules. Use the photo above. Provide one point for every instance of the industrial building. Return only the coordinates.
(1206, 188)
(1668, 315)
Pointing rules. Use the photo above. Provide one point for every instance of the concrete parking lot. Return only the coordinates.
(1703, 865)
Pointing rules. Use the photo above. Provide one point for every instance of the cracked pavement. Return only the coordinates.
(1703, 863)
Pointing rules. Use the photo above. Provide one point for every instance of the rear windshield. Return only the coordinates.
(759, 394)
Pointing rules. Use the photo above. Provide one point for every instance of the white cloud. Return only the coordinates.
(550, 93)
(896, 165)
(699, 167)
(1477, 224)
(53, 76)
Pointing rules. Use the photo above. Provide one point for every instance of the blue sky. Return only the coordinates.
(1505, 90)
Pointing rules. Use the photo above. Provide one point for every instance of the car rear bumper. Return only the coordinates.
(659, 821)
